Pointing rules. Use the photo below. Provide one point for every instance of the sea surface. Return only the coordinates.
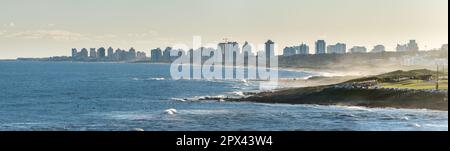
(66, 96)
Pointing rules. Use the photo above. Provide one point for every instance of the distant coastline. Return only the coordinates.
(8, 59)
(354, 61)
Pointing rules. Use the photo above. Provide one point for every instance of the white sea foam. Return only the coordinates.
(238, 93)
(416, 125)
(360, 108)
(199, 98)
(171, 111)
(138, 129)
(157, 79)
(207, 112)
(436, 125)
(404, 118)
(179, 99)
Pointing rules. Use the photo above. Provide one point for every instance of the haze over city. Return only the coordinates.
(51, 28)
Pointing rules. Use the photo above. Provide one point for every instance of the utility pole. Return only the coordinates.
(437, 77)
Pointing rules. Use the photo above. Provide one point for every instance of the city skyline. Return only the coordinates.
(62, 25)
(229, 49)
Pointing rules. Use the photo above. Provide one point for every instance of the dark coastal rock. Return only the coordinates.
(330, 95)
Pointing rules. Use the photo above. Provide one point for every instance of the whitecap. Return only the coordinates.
(208, 112)
(437, 125)
(206, 98)
(170, 111)
(138, 129)
(238, 93)
(358, 108)
(157, 79)
(404, 118)
(416, 125)
(179, 99)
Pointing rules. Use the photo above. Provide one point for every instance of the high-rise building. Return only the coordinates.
(156, 55)
(141, 55)
(131, 54)
(321, 47)
(378, 49)
(74, 53)
(229, 50)
(247, 49)
(412, 46)
(303, 49)
(120, 55)
(221, 47)
(166, 54)
(444, 47)
(84, 54)
(358, 49)
(92, 53)
(401, 48)
(270, 48)
(339, 48)
(208, 51)
(101, 53)
(289, 51)
(110, 53)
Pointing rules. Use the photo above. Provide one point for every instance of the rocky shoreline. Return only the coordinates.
(372, 98)
(358, 94)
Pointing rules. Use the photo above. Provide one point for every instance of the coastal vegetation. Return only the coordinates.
(415, 89)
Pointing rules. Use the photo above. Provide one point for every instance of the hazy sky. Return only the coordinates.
(39, 28)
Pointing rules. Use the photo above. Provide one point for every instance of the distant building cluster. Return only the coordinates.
(158, 55)
(444, 47)
(378, 49)
(102, 54)
(411, 46)
(230, 51)
(321, 47)
(339, 48)
(358, 49)
(302, 49)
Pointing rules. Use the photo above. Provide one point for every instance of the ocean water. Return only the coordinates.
(65, 96)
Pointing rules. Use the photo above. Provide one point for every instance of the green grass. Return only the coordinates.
(393, 76)
(416, 84)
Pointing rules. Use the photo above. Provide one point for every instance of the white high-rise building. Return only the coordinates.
(321, 47)
(339, 48)
(247, 49)
(411, 46)
(110, 52)
(378, 49)
(92, 53)
(270, 48)
(358, 49)
(303, 49)
(229, 50)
